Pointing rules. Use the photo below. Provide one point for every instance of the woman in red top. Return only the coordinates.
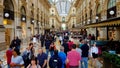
(52, 48)
(9, 55)
(70, 43)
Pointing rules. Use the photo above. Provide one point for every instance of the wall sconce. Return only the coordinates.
(111, 12)
(96, 17)
(23, 19)
(7, 14)
(33, 21)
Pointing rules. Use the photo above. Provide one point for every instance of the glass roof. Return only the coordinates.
(62, 6)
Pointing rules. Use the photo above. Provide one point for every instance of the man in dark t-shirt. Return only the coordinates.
(85, 51)
(42, 58)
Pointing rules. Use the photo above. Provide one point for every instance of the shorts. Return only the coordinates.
(94, 55)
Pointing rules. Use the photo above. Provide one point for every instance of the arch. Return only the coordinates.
(111, 3)
(98, 10)
(23, 11)
(9, 5)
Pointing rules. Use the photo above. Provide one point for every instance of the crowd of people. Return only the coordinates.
(70, 55)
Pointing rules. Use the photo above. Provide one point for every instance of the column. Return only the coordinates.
(2, 29)
(118, 8)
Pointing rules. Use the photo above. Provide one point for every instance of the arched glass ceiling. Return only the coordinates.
(62, 6)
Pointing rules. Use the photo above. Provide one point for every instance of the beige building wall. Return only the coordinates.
(86, 11)
(24, 30)
(54, 18)
(71, 18)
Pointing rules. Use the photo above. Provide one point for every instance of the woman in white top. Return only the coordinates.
(34, 40)
(94, 53)
(60, 39)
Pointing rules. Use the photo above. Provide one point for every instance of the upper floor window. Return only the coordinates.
(111, 11)
(63, 19)
(98, 13)
(53, 21)
(111, 3)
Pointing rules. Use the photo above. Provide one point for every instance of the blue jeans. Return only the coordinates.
(18, 47)
(84, 62)
(8, 65)
(51, 53)
(47, 51)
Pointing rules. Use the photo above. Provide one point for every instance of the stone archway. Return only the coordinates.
(23, 22)
(8, 20)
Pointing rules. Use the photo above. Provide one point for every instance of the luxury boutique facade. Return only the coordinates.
(25, 18)
(22, 18)
(99, 17)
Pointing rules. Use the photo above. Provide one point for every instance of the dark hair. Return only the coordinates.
(35, 59)
(80, 40)
(17, 51)
(11, 46)
(55, 52)
(73, 46)
(30, 44)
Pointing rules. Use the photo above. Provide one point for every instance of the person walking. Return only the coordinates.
(70, 43)
(94, 54)
(62, 55)
(16, 60)
(60, 39)
(42, 58)
(73, 58)
(28, 54)
(65, 45)
(34, 40)
(52, 48)
(47, 45)
(18, 42)
(85, 52)
(9, 55)
(42, 39)
(55, 61)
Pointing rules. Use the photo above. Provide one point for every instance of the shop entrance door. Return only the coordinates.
(7, 36)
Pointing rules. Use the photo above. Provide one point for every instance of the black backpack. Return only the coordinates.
(55, 62)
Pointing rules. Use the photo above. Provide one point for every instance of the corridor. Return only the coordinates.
(95, 23)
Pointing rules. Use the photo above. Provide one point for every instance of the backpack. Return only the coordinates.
(26, 59)
(55, 62)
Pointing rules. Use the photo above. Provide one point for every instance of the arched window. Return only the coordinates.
(23, 10)
(98, 9)
(8, 10)
(23, 14)
(32, 18)
(9, 5)
(111, 3)
(111, 11)
(98, 13)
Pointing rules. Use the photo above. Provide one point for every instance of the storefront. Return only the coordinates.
(106, 30)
